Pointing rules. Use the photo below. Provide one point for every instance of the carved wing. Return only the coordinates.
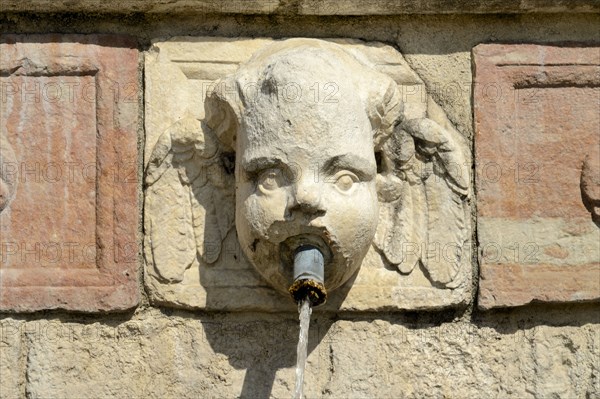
(423, 187)
(189, 200)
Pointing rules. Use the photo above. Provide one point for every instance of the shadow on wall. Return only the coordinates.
(264, 344)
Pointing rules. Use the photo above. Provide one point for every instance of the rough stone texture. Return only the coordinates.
(439, 49)
(304, 7)
(187, 356)
(537, 121)
(420, 253)
(69, 112)
(12, 359)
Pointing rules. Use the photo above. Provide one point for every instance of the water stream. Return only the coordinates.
(305, 310)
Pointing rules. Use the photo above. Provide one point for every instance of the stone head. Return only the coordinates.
(304, 119)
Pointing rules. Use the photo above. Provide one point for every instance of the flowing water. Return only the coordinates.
(305, 310)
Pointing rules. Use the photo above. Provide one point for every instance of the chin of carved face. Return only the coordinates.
(337, 215)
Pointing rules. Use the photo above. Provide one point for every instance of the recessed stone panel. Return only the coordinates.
(538, 173)
(194, 258)
(68, 219)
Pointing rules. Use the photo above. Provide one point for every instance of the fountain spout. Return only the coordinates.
(309, 276)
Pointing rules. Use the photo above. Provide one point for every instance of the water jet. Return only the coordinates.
(308, 290)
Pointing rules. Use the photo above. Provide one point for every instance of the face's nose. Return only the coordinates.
(306, 198)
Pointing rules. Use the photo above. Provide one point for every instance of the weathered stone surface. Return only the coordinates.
(537, 139)
(460, 360)
(253, 356)
(406, 217)
(304, 7)
(12, 359)
(438, 48)
(69, 117)
(514, 285)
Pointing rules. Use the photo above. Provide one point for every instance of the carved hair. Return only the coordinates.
(378, 93)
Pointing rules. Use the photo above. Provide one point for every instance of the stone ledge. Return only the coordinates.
(305, 7)
(517, 285)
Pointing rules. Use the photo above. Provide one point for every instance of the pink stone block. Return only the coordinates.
(537, 145)
(68, 172)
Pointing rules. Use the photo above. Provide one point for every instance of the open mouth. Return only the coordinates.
(290, 236)
(274, 253)
(289, 246)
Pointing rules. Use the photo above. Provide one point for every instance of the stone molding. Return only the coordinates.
(304, 7)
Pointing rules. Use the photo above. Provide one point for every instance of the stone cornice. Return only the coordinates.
(305, 7)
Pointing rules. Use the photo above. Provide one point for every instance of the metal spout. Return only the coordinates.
(309, 276)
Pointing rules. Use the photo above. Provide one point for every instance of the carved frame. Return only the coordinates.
(515, 67)
(112, 284)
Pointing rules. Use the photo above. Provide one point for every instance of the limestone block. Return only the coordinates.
(236, 355)
(155, 356)
(416, 254)
(538, 172)
(12, 359)
(458, 359)
(68, 172)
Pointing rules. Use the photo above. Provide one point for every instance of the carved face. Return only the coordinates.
(305, 173)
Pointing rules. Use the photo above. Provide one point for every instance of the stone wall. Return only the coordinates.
(531, 332)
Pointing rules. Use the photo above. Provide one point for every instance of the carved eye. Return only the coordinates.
(271, 179)
(344, 180)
